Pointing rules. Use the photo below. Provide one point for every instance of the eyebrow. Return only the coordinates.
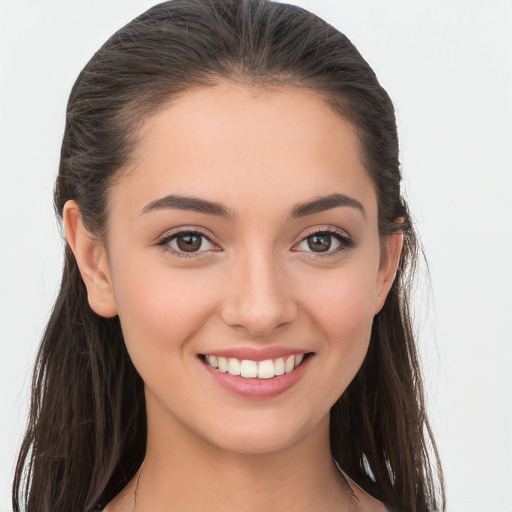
(317, 205)
(188, 203)
(324, 203)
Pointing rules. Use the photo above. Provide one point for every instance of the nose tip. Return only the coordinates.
(258, 302)
(258, 320)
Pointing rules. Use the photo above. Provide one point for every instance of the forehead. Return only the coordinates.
(246, 146)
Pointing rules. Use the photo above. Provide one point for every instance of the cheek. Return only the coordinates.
(160, 310)
(347, 332)
(342, 309)
(342, 303)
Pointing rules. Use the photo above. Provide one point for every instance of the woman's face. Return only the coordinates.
(245, 233)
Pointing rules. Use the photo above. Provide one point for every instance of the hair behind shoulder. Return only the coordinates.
(87, 414)
(87, 427)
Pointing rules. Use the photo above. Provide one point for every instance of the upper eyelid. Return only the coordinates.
(171, 233)
(324, 229)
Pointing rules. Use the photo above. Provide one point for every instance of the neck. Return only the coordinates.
(184, 472)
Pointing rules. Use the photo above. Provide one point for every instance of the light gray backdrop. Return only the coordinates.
(447, 66)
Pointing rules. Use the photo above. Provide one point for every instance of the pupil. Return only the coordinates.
(189, 243)
(319, 243)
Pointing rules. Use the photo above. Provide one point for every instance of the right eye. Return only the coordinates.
(185, 243)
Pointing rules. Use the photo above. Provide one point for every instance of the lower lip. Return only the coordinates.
(259, 389)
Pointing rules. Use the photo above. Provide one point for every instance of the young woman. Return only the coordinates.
(232, 330)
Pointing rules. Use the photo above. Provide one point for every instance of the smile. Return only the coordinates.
(257, 374)
(250, 369)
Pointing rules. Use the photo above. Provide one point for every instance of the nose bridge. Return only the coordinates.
(258, 297)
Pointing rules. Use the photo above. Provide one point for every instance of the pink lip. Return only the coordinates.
(256, 354)
(259, 389)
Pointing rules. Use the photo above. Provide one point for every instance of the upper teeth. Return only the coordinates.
(255, 369)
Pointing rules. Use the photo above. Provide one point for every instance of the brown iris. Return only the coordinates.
(319, 243)
(189, 242)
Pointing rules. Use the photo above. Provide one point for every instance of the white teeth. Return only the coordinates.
(213, 360)
(290, 364)
(223, 364)
(255, 369)
(279, 366)
(266, 369)
(248, 368)
(233, 366)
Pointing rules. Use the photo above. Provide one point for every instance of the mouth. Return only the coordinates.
(250, 369)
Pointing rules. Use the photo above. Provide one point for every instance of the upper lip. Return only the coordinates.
(256, 354)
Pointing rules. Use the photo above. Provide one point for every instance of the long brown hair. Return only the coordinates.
(87, 427)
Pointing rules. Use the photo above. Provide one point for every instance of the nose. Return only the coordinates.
(259, 297)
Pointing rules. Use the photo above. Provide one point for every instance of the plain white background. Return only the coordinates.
(447, 66)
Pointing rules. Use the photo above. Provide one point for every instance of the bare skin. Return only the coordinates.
(347, 496)
(261, 272)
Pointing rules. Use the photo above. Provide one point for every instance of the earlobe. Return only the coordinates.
(388, 266)
(91, 257)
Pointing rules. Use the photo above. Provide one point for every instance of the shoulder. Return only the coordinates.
(123, 502)
(365, 502)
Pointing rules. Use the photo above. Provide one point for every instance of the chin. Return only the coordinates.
(266, 436)
(256, 444)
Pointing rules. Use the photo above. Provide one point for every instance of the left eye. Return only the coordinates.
(188, 242)
(323, 242)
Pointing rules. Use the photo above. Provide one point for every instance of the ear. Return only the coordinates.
(91, 257)
(390, 256)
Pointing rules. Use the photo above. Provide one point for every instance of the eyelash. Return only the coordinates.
(345, 241)
(343, 238)
(163, 244)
